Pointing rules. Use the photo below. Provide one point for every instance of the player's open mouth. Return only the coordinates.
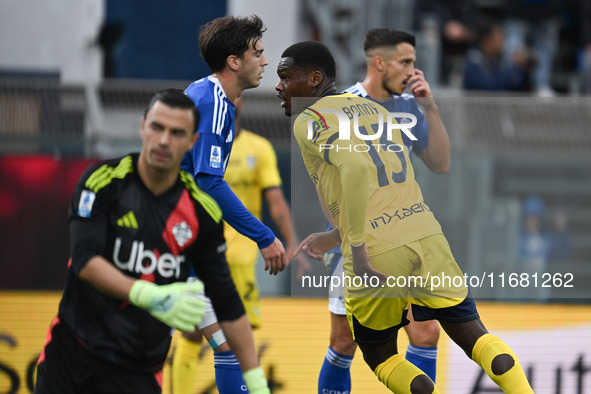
(283, 101)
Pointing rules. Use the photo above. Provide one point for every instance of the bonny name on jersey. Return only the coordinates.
(145, 261)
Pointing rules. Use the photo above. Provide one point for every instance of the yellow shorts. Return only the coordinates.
(244, 277)
(376, 312)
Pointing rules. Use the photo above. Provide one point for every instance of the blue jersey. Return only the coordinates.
(404, 103)
(208, 159)
(216, 128)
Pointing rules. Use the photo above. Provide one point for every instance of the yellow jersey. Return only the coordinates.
(251, 169)
(364, 173)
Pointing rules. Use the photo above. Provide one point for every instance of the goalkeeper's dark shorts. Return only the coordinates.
(66, 366)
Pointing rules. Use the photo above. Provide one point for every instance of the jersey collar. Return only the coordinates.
(217, 83)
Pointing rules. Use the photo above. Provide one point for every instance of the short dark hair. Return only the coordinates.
(226, 36)
(383, 37)
(485, 28)
(175, 98)
(312, 55)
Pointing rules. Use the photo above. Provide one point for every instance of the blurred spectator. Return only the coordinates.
(538, 245)
(454, 19)
(485, 68)
(581, 9)
(534, 24)
(586, 46)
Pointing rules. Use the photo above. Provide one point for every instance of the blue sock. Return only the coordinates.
(425, 358)
(228, 375)
(335, 375)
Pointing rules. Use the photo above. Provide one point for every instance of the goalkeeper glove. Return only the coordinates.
(175, 304)
(255, 380)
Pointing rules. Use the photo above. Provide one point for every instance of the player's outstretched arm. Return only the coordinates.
(316, 244)
(237, 216)
(274, 256)
(103, 276)
(361, 264)
(355, 187)
(173, 304)
(239, 336)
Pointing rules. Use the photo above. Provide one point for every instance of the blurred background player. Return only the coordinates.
(365, 184)
(136, 223)
(533, 26)
(233, 50)
(390, 70)
(541, 241)
(487, 69)
(252, 173)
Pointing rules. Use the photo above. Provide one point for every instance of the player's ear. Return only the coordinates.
(143, 127)
(315, 78)
(194, 139)
(379, 63)
(233, 62)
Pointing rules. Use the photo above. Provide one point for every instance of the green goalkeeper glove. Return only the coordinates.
(255, 380)
(175, 304)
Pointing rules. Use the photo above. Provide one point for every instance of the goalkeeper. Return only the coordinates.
(135, 223)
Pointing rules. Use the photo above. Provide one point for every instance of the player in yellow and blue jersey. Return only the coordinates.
(390, 56)
(354, 154)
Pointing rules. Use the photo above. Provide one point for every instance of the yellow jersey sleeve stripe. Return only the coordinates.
(208, 203)
(105, 174)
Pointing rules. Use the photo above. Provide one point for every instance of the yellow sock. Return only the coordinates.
(513, 381)
(184, 365)
(397, 374)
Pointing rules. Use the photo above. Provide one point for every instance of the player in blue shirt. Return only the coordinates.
(390, 70)
(233, 50)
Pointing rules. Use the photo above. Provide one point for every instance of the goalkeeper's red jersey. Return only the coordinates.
(155, 238)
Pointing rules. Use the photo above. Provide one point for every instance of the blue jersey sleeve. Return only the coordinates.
(207, 155)
(234, 212)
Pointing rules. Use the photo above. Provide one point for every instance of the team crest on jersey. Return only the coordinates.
(86, 202)
(215, 157)
(250, 162)
(182, 233)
